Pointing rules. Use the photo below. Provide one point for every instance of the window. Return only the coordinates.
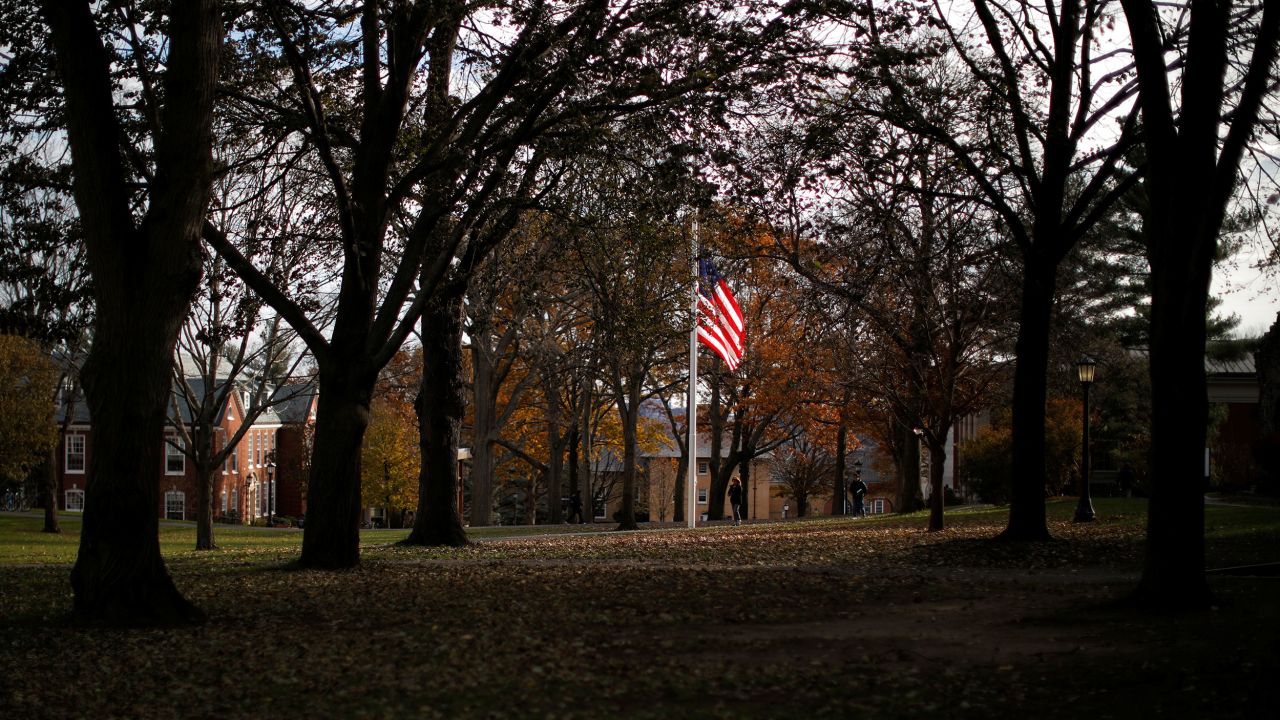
(265, 499)
(234, 459)
(175, 461)
(74, 501)
(875, 507)
(249, 455)
(702, 496)
(235, 500)
(702, 467)
(175, 505)
(224, 501)
(75, 454)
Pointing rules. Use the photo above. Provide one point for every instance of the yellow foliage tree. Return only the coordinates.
(27, 430)
(389, 458)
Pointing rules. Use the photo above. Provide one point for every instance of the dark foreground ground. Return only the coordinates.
(830, 618)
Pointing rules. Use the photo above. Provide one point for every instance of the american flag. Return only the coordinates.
(720, 323)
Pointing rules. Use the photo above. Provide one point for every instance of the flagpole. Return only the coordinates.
(691, 412)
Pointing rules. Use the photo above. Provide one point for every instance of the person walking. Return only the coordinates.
(858, 489)
(735, 499)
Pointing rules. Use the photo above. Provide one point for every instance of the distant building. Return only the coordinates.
(247, 486)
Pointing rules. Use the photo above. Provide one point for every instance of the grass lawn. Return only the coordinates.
(817, 618)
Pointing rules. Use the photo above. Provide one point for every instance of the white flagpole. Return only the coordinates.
(691, 412)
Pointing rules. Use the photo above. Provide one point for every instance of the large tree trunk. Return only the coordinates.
(937, 474)
(206, 470)
(1027, 520)
(574, 485)
(629, 409)
(907, 458)
(331, 537)
(119, 575)
(205, 475)
(718, 481)
(144, 278)
(838, 502)
(1192, 173)
(482, 450)
(1173, 573)
(441, 405)
(588, 497)
(555, 450)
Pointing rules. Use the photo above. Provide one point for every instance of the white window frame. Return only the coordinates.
(875, 507)
(171, 499)
(224, 501)
(67, 504)
(702, 496)
(68, 454)
(171, 452)
(704, 467)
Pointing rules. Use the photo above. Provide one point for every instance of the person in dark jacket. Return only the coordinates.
(575, 508)
(735, 499)
(858, 489)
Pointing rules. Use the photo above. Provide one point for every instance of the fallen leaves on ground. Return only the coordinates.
(832, 618)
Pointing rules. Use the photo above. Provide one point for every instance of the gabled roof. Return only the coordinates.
(291, 404)
(1243, 365)
(197, 390)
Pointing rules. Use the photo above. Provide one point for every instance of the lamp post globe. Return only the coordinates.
(1085, 369)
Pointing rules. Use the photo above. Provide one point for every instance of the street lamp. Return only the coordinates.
(857, 477)
(1085, 367)
(271, 490)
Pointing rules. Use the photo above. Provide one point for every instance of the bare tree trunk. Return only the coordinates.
(719, 481)
(680, 493)
(629, 408)
(937, 475)
(482, 448)
(441, 405)
(907, 458)
(838, 492)
(331, 537)
(204, 506)
(145, 276)
(555, 450)
(1191, 178)
(1027, 521)
(49, 491)
(588, 497)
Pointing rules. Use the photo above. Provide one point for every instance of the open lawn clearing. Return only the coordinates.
(826, 618)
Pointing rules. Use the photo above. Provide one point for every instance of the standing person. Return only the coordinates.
(575, 507)
(735, 499)
(859, 490)
(1126, 480)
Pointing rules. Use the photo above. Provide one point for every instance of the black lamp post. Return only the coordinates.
(1084, 509)
(271, 491)
(857, 476)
